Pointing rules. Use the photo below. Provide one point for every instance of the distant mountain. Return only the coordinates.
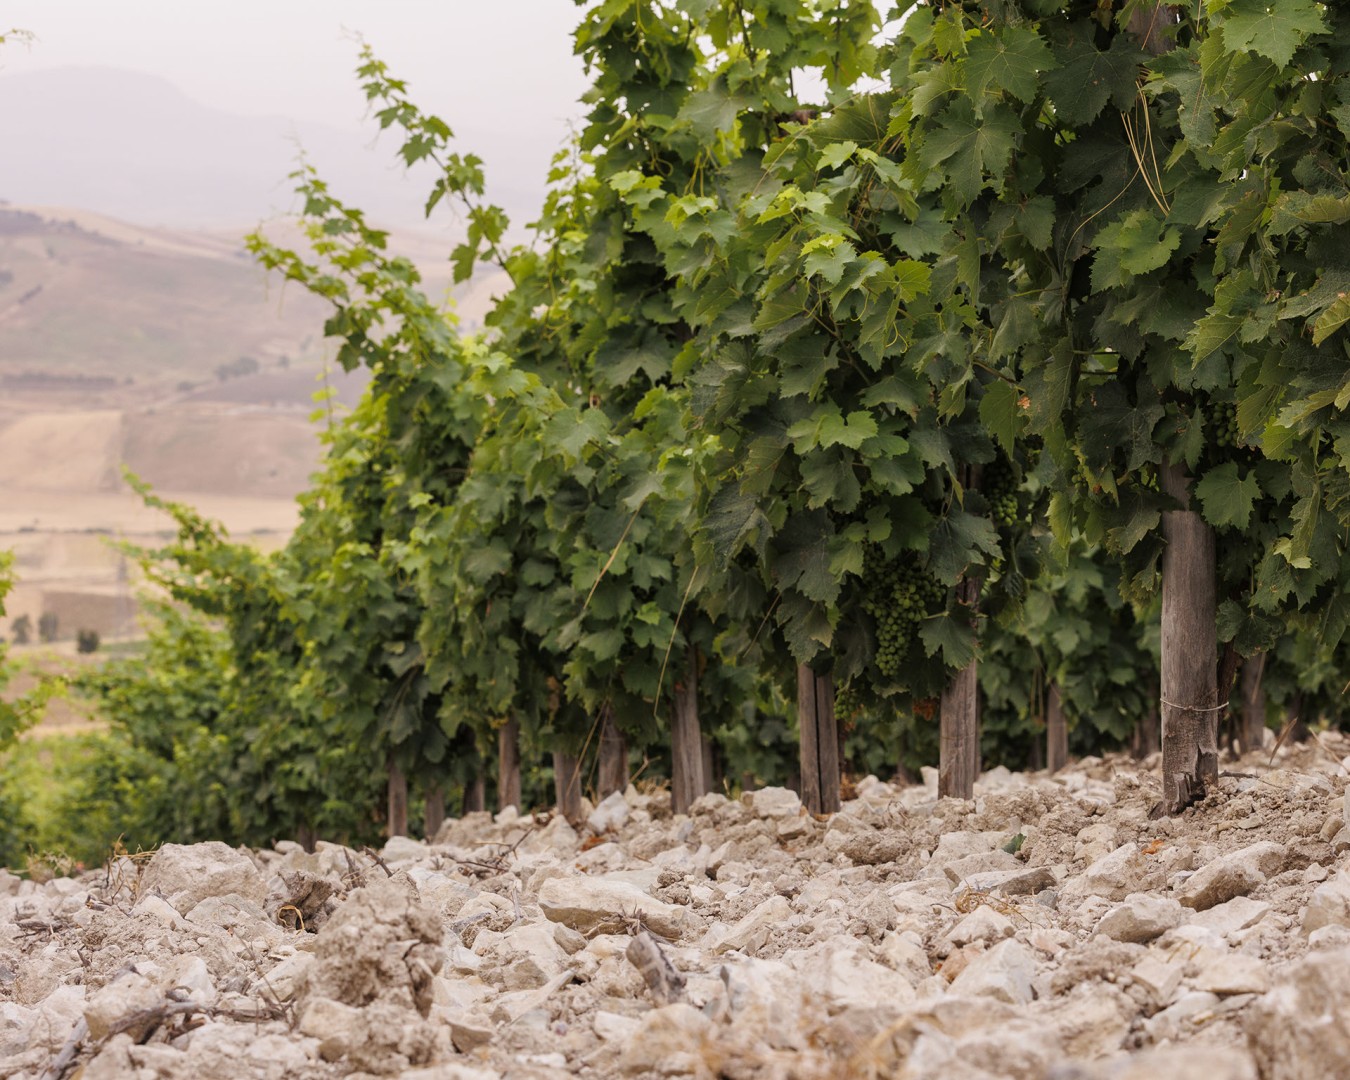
(134, 146)
(87, 297)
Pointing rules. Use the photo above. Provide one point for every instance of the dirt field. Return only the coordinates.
(1049, 929)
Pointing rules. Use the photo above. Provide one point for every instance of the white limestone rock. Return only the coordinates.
(753, 930)
(1141, 918)
(1229, 973)
(773, 802)
(983, 924)
(1233, 916)
(116, 1007)
(1003, 973)
(585, 904)
(1234, 874)
(1329, 904)
(1300, 1029)
(1113, 876)
(610, 816)
(185, 875)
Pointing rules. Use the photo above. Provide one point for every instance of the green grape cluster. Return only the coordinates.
(847, 703)
(900, 594)
(999, 486)
(1222, 427)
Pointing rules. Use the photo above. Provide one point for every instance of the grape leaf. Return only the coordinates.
(953, 637)
(1130, 246)
(1087, 78)
(1332, 319)
(1273, 29)
(1226, 497)
(836, 154)
(973, 148)
(1001, 413)
(1009, 61)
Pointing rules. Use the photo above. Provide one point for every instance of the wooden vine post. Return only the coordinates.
(1056, 731)
(508, 765)
(1147, 735)
(688, 779)
(613, 755)
(433, 816)
(1189, 650)
(959, 718)
(1252, 729)
(398, 800)
(819, 741)
(475, 795)
(567, 784)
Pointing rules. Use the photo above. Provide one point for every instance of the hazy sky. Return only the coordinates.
(501, 72)
(510, 59)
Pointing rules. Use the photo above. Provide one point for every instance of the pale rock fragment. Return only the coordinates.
(721, 855)
(1329, 904)
(55, 1016)
(1090, 1021)
(752, 931)
(400, 850)
(668, 1043)
(904, 952)
(983, 924)
(1232, 916)
(1094, 842)
(1172, 1062)
(613, 1027)
(1183, 1017)
(16, 1021)
(1228, 973)
(451, 1070)
(127, 1004)
(952, 846)
(1234, 874)
(1300, 1029)
(842, 977)
(960, 871)
(185, 875)
(188, 974)
(1141, 918)
(334, 1024)
(1333, 936)
(610, 816)
(1003, 973)
(467, 1033)
(585, 904)
(528, 957)
(286, 979)
(1160, 974)
(241, 918)
(773, 802)
(1113, 876)
(568, 939)
(158, 908)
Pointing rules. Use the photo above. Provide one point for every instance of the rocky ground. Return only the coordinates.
(1049, 930)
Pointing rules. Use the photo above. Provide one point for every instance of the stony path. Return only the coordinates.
(1047, 931)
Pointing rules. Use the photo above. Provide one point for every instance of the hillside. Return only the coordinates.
(167, 351)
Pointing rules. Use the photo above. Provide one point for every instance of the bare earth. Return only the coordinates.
(112, 340)
(1048, 930)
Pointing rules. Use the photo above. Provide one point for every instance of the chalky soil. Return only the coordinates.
(1047, 930)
